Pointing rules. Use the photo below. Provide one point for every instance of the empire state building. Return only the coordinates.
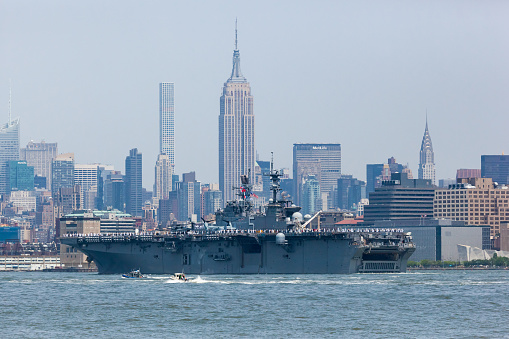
(236, 130)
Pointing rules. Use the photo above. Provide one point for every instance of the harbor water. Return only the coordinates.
(419, 304)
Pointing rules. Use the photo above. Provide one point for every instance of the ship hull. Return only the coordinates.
(314, 253)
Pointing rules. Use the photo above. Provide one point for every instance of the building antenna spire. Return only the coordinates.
(10, 95)
(426, 117)
(236, 34)
(271, 161)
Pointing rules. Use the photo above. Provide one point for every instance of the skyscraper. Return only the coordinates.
(163, 177)
(376, 173)
(236, 130)
(350, 192)
(211, 199)
(495, 167)
(320, 160)
(133, 183)
(426, 159)
(21, 176)
(400, 198)
(373, 174)
(86, 177)
(62, 173)
(310, 195)
(189, 197)
(114, 187)
(166, 120)
(39, 155)
(9, 150)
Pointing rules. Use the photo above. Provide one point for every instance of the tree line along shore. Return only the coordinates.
(494, 263)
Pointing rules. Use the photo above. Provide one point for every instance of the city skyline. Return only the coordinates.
(371, 73)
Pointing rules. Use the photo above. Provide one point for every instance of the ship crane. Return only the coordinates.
(304, 225)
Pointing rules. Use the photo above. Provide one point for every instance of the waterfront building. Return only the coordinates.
(476, 201)
(163, 177)
(439, 239)
(28, 263)
(21, 176)
(167, 120)
(465, 173)
(236, 130)
(86, 223)
(310, 195)
(400, 198)
(320, 160)
(62, 172)
(115, 221)
(504, 236)
(495, 167)
(40, 155)
(133, 183)
(427, 158)
(9, 150)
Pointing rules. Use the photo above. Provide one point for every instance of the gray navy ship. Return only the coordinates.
(277, 241)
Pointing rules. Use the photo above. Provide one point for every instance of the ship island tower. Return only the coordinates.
(427, 157)
(236, 130)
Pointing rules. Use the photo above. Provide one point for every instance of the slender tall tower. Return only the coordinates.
(133, 186)
(427, 161)
(236, 129)
(166, 120)
(9, 148)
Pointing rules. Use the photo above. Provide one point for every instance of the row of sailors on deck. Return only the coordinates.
(342, 230)
(107, 234)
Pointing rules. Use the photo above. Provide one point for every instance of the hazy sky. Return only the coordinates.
(85, 74)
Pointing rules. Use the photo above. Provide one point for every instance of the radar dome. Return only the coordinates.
(307, 216)
(280, 239)
(297, 216)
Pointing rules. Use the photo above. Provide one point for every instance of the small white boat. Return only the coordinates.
(179, 277)
(133, 274)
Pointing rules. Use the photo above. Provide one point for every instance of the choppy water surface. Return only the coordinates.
(452, 304)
